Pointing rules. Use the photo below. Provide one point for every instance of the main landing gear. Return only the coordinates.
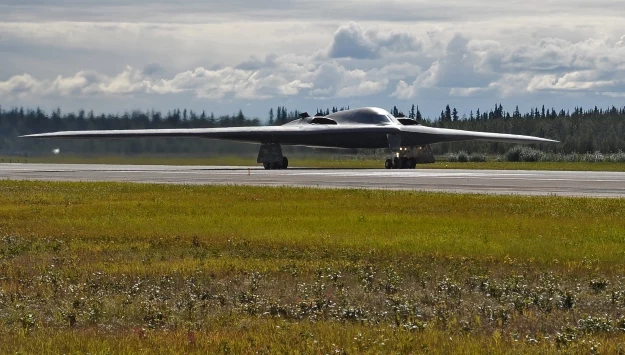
(277, 165)
(400, 163)
(409, 157)
(270, 155)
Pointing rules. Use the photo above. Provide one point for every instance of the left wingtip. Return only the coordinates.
(37, 135)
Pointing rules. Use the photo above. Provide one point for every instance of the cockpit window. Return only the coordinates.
(392, 118)
(361, 117)
(373, 118)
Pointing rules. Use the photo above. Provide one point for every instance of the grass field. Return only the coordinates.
(112, 267)
(315, 162)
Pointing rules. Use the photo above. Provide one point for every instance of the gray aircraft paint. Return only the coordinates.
(366, 127)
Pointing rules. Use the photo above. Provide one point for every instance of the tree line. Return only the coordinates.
(580, 130)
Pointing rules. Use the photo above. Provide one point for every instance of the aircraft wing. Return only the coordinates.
(289, 134)
(321, 135)
(431, 135)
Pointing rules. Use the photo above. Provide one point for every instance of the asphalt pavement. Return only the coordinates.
(519, 182)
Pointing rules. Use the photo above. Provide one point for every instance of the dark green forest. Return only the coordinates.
(580, 130)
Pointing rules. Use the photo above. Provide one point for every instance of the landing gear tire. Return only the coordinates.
(276, 166)
(388, 164)
(267, 166)
(397, 163)
(405, 163)
(285, 163)
(412, 163)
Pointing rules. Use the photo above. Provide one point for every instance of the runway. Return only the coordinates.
(519, 182)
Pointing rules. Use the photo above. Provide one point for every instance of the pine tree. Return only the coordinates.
(240, 119)
(271, 116)
(278, 115)
(447, 114)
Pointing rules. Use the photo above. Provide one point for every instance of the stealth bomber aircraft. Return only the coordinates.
(369, 127)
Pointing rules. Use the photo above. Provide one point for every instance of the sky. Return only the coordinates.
(222, 56)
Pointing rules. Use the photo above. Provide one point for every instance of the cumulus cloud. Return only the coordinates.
(473, 67)
(457, 69)
(328, 79)
(19, 86)
(255, 63)
(344, 63)
(352, 41)
(334, 80)
(82, 83)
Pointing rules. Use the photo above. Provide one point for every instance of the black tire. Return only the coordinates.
(388, 164)
(285, 163)
(405, 163)
(397, 163)
(267, 166)
(276, 166)
(412, 163)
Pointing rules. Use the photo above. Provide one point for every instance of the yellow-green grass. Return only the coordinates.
(116, 267)
(401, 223)
(329, 161)
(249, 336)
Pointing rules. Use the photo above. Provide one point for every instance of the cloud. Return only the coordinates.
(82, 83)
(18, 86)
(352, 41)
(554, 65)
(205, 11)
(328, 79)
(465, 68)
(153, 69)
(255, 63)
(298, 61)
(457, 69)
(334, 80)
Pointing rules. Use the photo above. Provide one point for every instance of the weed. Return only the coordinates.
(135, 268)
